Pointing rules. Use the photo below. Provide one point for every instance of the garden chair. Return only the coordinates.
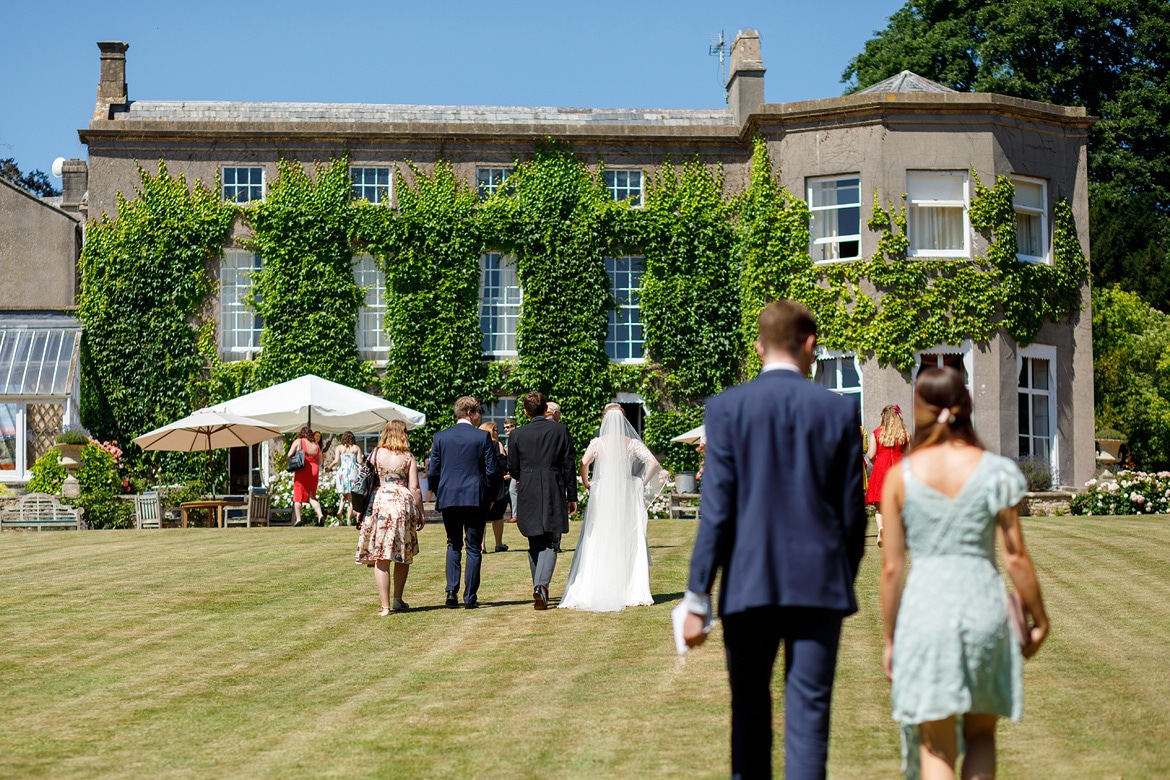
(257, 511)
(148, 510)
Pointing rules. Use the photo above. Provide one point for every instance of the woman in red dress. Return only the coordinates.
(887, 444)
(305, 480)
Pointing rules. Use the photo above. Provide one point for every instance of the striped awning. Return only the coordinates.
(38, 361)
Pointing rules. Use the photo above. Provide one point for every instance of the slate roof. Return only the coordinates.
(906, 81)
(225, 111)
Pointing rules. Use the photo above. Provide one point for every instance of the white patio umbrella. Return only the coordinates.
(693, 436)
(206, 429)
(322, 405)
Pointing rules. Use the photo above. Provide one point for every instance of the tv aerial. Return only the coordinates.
(718, 48)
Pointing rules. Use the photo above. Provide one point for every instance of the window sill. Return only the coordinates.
(837, 261)
(628, 361)
(1033, 259)
(939, 254)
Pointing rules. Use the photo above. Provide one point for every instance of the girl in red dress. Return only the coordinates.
(887, 444)
(305, 480)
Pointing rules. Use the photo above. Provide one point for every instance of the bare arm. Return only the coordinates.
(586, 461)
(1019, 567)
(871, 449)
(893, 561)
(296, 445)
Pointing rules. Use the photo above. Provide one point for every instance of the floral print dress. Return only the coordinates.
(390, 530)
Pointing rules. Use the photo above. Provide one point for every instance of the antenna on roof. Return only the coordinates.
(717, 47)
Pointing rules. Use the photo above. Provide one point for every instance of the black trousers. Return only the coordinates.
(464, 522)
(752, 640)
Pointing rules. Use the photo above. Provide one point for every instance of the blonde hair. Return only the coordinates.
(394, 437)
(611, 406)
(490, 427)
(894, 432)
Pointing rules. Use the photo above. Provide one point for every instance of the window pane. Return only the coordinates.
(826, 373)
(849, 377)
(624, 335)
(1023, 381)
(1029, 234)
(935, 228)
(935, 186)
(1029, 194)
(1040, 416)
(1039, 373)
(8, 434)
(1025, 427)
(1025, 447)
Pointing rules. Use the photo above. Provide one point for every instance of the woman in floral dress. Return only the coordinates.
(345, 459)
(389, 532)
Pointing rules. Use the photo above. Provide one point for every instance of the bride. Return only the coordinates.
(610, 568)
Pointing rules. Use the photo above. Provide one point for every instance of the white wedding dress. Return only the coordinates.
(610, 568)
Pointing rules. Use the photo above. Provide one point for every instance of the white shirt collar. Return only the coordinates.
(463, 421)
(780, 365)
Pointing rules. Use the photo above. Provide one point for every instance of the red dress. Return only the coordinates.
(882, 461)
(305, 480)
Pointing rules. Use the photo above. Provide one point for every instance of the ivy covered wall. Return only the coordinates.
(712, 260)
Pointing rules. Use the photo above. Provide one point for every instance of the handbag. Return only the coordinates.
(364, 485)
(296, 461)
(1018, 618)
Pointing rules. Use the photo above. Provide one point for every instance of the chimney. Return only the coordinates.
(74, 184)
(111, 93)
(745, 86)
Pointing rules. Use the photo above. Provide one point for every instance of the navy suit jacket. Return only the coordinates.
(782, 511)
(463, 467)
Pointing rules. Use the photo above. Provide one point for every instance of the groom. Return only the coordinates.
(541, 457)
(782, 514)
(461, 471)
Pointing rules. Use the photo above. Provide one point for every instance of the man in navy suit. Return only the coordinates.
(782, 514)
(461, 471)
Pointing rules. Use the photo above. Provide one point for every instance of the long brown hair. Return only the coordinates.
(394, 437)
(894, 431)
(942, 409)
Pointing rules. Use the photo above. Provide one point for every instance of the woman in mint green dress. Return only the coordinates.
(951, 653)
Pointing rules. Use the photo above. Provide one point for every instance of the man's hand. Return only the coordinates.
(693, 630)
(572, 507)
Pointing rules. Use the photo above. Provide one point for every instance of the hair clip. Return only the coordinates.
(945, 417)
(897, 410)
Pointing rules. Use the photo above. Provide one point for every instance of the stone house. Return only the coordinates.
(906, 135)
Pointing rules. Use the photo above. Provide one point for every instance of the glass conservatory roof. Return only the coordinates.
(38, 359)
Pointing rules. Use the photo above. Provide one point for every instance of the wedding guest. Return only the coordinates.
(345, 459)
(513, 483)
(394, 516)
(305, 479)
(782, 515)
(500, 500)
(950, 649)
(554, 411)
(886, 446)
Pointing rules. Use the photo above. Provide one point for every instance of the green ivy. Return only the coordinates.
(143, 284)
(306, 290)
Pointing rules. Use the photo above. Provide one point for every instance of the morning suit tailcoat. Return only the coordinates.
(782, 512)
(463, 467)
(542, 459)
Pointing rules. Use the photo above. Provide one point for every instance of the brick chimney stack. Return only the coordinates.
(745, 86)
(111, 93)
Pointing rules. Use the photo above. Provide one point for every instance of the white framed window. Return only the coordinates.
(937, 219)
(500, 298)
(372, 342)
(28, 429)
(372, 184)
(623, 341)
(239, 324)
(1036, 385)
(489, 180)
(840, 373)
(499, 410)
(242, 184)
(835, 225)
(625, 184)
(958, 358)
(1031, 205)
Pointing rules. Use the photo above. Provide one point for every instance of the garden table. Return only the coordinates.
(215, 506)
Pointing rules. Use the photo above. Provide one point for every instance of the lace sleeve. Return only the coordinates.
(591, 452)
(639, 451)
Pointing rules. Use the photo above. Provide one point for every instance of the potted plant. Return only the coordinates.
(71, 441)
(1109, 441)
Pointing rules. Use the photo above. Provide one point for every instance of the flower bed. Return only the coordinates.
(1134, 493)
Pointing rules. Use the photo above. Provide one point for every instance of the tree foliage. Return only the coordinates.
(36, 182)
(1131, 373)
(1110, 56)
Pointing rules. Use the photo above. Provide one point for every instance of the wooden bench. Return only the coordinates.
(684, 505)
(40, 511)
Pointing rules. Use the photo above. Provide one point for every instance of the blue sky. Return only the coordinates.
(604, 53)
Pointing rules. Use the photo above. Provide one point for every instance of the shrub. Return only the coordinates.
(1134, 493)
(73, 434)
(100, 486)
(1037, 472)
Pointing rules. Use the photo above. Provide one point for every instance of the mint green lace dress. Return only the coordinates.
(954, 651)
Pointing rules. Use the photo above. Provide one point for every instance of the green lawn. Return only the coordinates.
(259, 653)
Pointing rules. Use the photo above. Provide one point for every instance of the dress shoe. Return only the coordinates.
(471, 605)
(501, 548)
(540, 597)
(400, 606)
(452, 599)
